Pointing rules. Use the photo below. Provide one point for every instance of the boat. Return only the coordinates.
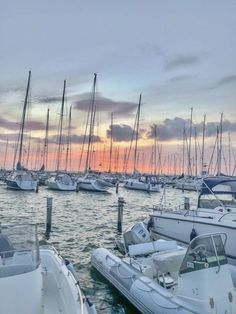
(36, 279)
(90, 182)
(188, 184)
(148, 183)
(162, 278)
(215, 212)
(21, 178)
(62, 181)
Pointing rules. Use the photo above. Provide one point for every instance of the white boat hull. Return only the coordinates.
(179, 227)
(136, 185)
(91, 185)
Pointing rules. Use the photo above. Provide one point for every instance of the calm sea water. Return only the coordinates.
(82, 222)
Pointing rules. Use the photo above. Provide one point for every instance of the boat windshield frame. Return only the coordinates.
(19, 240)
(205, 251)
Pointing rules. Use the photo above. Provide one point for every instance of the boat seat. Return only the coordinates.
(151, 247)
(6, 247)
(169, 261)
(22, 258)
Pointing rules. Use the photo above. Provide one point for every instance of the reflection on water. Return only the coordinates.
(82, 222)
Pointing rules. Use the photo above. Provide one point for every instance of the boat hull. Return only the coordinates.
(145, 294)
(179, 227)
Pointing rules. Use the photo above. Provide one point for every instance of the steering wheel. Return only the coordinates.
(200, 250)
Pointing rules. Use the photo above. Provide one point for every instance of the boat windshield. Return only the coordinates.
(204, 251)
(210, 201)
(19, 249)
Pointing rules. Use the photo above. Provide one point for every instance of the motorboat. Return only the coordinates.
(160, 277)
(188, 183)
(90, 182)
(215, 212)
(22, 180)
(35, 279)
(143, 183)
(62, 182)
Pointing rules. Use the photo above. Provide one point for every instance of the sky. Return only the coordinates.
(178, 54)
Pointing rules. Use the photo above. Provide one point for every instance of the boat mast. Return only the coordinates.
(92, 120)
(45, 149)
(195, 150)
(203, 143)
(137, 131)
(68, 145)
(229, 154)
(155, 149)
(22, 126)
(219, 159)
(5, 155)
(111, 140)
(189, 147)
(60, 128)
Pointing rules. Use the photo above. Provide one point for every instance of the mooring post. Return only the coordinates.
(186, 203)
(49, 217)
(121, 203)
(117, 186)
(77, 187)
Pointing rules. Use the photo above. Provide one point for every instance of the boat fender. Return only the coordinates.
(150, 224)
(193, 234)
(70, 266)
(92, 309)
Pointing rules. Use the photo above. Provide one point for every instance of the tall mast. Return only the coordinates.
(92, 120)
(68, 140)
(5, 156)
(137, 131)
(189, 148)
(203, 142)
(60, 128)
(229, 154)
(155, 149)
(195, 150)
(183, 161)
(111, 140)
(45, 149)
(220, 145)
(22, 126)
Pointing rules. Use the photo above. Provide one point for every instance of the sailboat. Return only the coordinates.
(90, 180)
(147, 183)
(21, 178)
(62, 181)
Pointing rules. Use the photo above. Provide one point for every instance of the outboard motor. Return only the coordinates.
(136, 234)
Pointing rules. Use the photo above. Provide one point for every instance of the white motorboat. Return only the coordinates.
(216, 212)
(162, 278)
(189, 184)
(22, 180)
(90, 182)
(62, 182)
(143, 183)
(35, 279)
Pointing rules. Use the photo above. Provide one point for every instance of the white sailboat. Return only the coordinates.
(21, 178)
(62, 181)
(138, 182)
(216, 212)
(35, 279)
(90, 181)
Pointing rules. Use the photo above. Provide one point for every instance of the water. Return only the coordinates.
(82, 222)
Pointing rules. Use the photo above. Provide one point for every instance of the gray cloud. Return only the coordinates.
(119, 108)
(182, 61)
(172, 129)
(226, 80)
(50, 100)
(120, 133)
(31, 125)
(75, 139)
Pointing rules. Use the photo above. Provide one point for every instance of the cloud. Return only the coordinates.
(226, 80)
(182, 61)
(172, 129)
(50, 100)
(75, 139)
(119, 108)
(120, 133)
(30, 125)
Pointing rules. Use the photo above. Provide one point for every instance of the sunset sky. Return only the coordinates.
(178, 54)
